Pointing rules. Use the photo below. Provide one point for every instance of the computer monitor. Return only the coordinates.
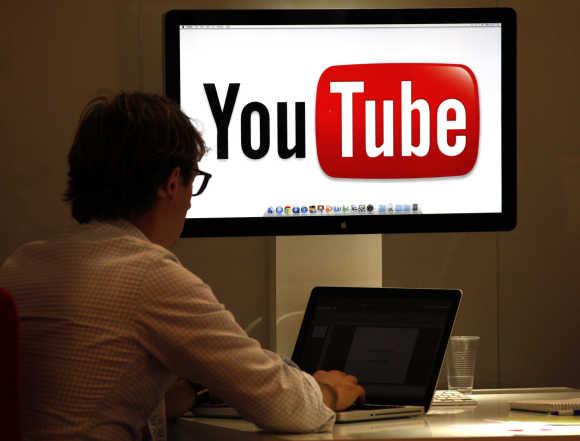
(348, 121)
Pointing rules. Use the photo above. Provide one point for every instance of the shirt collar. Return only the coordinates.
(128, 227)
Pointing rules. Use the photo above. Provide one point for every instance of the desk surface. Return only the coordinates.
(490, 418)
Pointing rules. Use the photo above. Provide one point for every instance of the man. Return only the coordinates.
(110, 318)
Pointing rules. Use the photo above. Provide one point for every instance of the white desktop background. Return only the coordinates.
(284, 64)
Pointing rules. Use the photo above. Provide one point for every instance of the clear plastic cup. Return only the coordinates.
(461, 355)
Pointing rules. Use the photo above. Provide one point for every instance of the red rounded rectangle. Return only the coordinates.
(397, 120)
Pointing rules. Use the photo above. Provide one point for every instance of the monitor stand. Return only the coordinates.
(298, 263)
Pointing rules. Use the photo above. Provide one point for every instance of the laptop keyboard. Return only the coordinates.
(451, 398)
(441, 398)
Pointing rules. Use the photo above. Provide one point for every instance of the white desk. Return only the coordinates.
(490, 418)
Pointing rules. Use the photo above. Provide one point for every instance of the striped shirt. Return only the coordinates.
(109, 320)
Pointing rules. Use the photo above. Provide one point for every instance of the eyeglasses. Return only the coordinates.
(200, 180)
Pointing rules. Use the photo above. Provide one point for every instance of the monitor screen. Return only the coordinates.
(348, 121)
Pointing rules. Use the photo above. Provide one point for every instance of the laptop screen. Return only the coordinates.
(392, 339)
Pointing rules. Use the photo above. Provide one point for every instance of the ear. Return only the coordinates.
(168, 189)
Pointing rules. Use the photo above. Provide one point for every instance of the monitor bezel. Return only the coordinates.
(362, 224)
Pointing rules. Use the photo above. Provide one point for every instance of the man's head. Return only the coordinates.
(133, 155)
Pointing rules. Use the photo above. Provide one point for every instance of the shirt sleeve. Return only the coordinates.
(182, 324)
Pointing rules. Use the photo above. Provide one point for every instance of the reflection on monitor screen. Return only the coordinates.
(348, 121)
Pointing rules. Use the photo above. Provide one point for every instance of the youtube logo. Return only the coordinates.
(399, 120)
(372, 121)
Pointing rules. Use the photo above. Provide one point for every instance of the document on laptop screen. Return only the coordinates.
(381, 355)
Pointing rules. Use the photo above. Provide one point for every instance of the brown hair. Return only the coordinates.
(124, 149)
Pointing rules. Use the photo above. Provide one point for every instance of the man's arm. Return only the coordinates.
(339, 392)
(182, 325)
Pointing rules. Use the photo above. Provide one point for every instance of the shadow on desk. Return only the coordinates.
(491, 418)
(189, 429)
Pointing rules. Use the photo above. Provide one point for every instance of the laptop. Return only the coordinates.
(392, 339)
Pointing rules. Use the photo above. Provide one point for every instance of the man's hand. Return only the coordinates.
(178, 399)
(339, 390)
